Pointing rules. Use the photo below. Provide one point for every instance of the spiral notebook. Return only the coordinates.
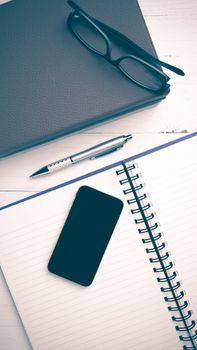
(144, 295)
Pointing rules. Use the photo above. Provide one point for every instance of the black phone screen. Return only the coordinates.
(85, 235)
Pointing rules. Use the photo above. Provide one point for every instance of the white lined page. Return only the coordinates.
(122, 309)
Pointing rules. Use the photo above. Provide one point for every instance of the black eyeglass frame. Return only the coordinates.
(141, 55)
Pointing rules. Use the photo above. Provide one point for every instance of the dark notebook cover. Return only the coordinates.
(51, 85)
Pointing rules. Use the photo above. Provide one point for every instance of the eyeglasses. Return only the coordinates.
(138, 66)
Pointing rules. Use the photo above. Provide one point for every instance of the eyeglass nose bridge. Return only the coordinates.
(110, 59)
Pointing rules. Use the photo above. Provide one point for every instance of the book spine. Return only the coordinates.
(160, 258)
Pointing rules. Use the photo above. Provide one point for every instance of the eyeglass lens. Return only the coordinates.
(141, 73)
(90, 36)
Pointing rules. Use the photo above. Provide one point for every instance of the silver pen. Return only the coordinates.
(91, 153)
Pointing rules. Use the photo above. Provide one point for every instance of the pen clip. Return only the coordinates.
(106, 152)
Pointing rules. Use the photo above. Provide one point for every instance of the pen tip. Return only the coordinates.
(39, 172)
(128, 137)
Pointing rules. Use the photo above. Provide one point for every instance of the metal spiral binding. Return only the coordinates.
(159, 257)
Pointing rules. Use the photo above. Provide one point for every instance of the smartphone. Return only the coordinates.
(85, 235)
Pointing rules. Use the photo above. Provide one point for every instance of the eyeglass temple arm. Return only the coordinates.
(138, 49)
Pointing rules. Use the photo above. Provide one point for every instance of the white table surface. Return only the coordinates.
(173, 28)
